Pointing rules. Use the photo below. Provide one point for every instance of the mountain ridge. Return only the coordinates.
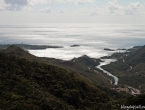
(28, 83)
(84, 66)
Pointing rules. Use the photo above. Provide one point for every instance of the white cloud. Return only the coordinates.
(26, 4)
(112, 8)
(3, 5)
(134, 8)
(13, 4)
(115, 8)
(19, 4)
(46, 10)
(90, 12)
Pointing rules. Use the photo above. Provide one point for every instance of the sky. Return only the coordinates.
(72, 11)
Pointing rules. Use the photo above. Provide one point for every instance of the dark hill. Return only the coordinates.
(31, 85)
(14, 50)
(136, 56)
(84, 65)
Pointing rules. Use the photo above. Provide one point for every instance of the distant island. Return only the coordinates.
(108, 49)
(121, 49)
(75, 45)
(27, 46)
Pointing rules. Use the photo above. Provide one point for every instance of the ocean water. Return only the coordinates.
(92, 38)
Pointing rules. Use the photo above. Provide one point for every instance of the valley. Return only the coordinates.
(66, 82)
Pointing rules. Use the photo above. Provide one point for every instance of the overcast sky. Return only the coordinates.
(72, 11)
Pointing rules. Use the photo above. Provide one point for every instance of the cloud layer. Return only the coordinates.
(111, 8)
(114, 8)
(133, 8)
(21, 4)
(45, 11)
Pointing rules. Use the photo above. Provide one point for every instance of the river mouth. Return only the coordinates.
(106, 62)
(125, 88)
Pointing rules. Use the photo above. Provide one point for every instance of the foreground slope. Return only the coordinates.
(31, 85)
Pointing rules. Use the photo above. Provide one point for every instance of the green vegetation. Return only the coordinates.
(31, 85)
(114, 94)
(18, 52)
(86, 67)
(130, 67)
(28, 82)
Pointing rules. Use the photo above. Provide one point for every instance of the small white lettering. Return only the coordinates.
(133, 107)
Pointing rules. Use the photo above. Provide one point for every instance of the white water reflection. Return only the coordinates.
(106, 62)
(68, 53)
(92, 38)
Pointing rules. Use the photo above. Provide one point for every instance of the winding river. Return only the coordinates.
(106, 62)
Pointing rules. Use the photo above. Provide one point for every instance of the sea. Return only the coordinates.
(90, 38)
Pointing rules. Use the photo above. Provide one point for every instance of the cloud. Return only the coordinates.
(115, 8)
(26, 4)
(134, 8)
(3, 5)
(46, 10)
(17, 2)
(13, 4)
(112, 7)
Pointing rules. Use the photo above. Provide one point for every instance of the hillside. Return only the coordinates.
(36, 84)
(86, 67)
(31, 85)
(14, 50)
(130, 67)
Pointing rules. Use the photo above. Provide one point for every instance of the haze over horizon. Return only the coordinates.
(72, 11)
(39, 22)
